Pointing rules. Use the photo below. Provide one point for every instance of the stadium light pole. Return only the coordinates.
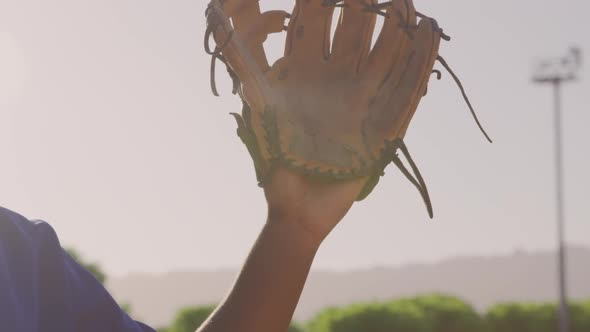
(556, 72)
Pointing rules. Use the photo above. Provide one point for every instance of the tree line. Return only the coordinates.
(428, 313)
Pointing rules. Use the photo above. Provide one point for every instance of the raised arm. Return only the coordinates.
(301, 213)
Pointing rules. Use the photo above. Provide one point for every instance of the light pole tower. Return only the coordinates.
(556, 72)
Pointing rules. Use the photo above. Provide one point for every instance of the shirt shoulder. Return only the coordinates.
(43, 289)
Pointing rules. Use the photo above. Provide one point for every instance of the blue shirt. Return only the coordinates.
(43, 289)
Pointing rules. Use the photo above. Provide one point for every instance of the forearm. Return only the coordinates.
(267, 290)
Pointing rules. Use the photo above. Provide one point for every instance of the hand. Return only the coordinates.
(317, 206)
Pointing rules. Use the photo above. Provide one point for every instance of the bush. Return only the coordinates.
(294, 327)
(373, 317)
(448, 314)
(580, 316)
(321, 322)
(189, 319)
(537, 317)
(433, 313)
(515, 317)
(93, 268)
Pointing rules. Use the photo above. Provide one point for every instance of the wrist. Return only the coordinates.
(296, 230)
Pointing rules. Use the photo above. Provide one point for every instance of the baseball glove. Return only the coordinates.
(336, 109)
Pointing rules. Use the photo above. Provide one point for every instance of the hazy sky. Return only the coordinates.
(108, 131)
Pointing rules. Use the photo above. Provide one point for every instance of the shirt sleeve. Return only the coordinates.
(43, 289)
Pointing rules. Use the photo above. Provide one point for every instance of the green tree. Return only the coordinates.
(93, 268)
(373, 317)
(580, 316)
(537, 317)
(294, 327)
(191, 318)
(522, 317)
(448, 313)
(323, 320)
(96, 271)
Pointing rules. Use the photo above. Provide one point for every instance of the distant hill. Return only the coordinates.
(483, 281)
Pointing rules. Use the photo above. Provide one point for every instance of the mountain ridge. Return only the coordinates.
(480, 280)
